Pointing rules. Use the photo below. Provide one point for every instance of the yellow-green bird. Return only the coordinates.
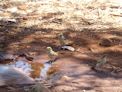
(101, 61)
(51, 53)
(62, 39)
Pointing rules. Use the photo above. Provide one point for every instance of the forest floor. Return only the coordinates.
(93, 29)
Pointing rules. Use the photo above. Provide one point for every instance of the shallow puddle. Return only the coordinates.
(45, 69)
(23, 72)
(10, 75)
(35, 70)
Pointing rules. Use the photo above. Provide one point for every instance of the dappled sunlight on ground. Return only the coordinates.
(92, 27)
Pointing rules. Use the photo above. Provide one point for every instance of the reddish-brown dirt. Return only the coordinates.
(75, 73)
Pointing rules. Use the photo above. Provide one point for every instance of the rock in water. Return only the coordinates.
(12, 76)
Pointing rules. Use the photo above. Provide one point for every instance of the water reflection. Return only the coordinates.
(44, 70)
(23, 72)
(3, 69)
(10, 75)
(36, 70)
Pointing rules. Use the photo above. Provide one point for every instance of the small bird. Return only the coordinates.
(63, 43)
(101, 61)
(51, 53)
(62, 39)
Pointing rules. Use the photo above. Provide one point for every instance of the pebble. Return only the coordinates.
(68, 48)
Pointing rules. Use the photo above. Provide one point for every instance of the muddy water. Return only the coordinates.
(10, 75)
(44, 70)
(28, 68)
(20, 72)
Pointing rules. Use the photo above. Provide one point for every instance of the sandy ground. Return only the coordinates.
(92, 33)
